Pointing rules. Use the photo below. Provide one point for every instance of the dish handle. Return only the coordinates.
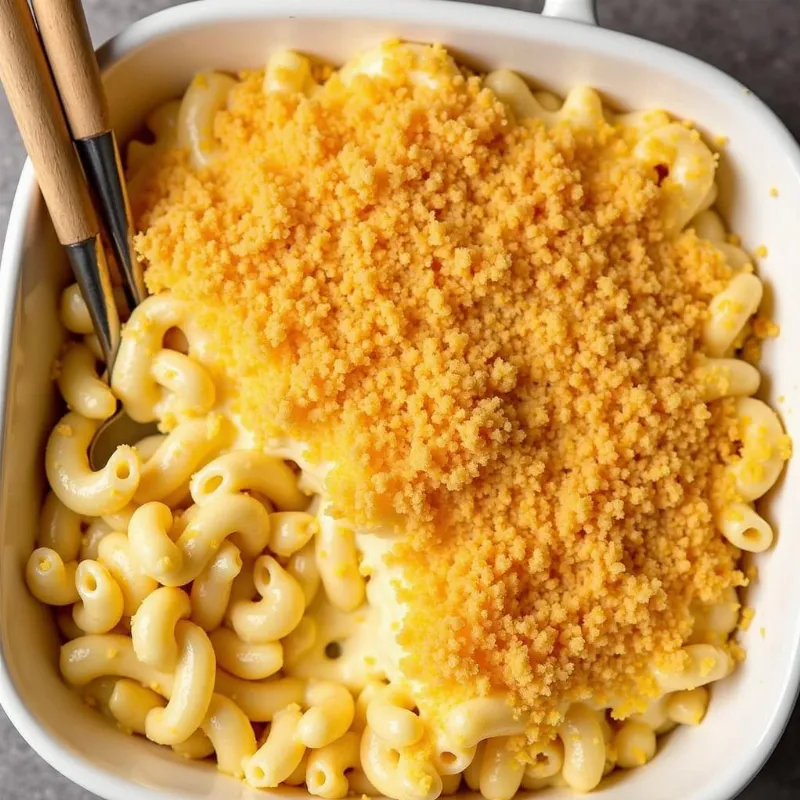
(576, 10)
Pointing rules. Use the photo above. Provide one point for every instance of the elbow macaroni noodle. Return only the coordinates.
(202, 591)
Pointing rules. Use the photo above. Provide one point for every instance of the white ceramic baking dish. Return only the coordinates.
(153, 60)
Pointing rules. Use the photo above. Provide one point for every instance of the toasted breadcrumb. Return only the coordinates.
(483, 325)
(748, 613)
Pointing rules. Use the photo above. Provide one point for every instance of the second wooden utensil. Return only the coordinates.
(26, 78)
(62, 26)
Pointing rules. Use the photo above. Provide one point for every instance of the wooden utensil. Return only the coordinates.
(66, 153)
(25, 75)
(68, 47)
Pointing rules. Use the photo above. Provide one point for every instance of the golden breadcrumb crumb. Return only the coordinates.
(483, 325)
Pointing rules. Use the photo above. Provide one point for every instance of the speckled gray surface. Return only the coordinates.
(754, 40)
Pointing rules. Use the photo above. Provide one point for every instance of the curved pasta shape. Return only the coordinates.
(330, 714)
(115, 553)
(90, 541)
(714, 622)
(189, 388)
(704, 663)
(192, 688)
(147, 448)
(298, 776)
(242, 588)
(688, 707)
(280, 754)
(49, 579)
(97, 694)
(291, 531)
(337, 560)
(120, 520)
(642, 122)
(327, 767)
(59, 528)
(278, 611)
(726, 377)
(729, 312)
(363, 699)
(764, 449)
(547, 760)
(206, 96)
(211, 589)
(448, 759)
(472, 774)
(303, 568)
(708, 225)
(101, 603)
(245, 660)
(91, 494)
(143, 361)
(178, 456)
(230, 733)
(225, 729)
(581, 108)
(288, 72)
(516, 94)
(501, 770)
(388, 771)
(197, 747)
(549, 101)
(176, 563)
(584, 748)
(66, 624)
(635, 744)
(251, 471)
(390, 715)
(73, 311)
(90, 657)
(744, 528)
(480, 718)
(261, 700)
(130, 703)
(421, 65)
(80, 387)
(690, 165)
(92, 344)
(360, 784)
(154, 627)
(97, 656)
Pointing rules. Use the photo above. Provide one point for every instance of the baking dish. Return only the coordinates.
(152, 61)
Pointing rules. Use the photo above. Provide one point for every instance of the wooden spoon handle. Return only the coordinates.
(26, 78)
(65, 34)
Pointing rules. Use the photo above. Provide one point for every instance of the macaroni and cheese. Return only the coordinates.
(458, 451)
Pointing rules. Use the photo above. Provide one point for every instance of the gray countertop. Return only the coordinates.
(754, 40)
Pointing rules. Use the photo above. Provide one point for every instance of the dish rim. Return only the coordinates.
(183, 18)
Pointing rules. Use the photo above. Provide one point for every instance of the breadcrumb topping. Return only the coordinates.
(483, 325)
